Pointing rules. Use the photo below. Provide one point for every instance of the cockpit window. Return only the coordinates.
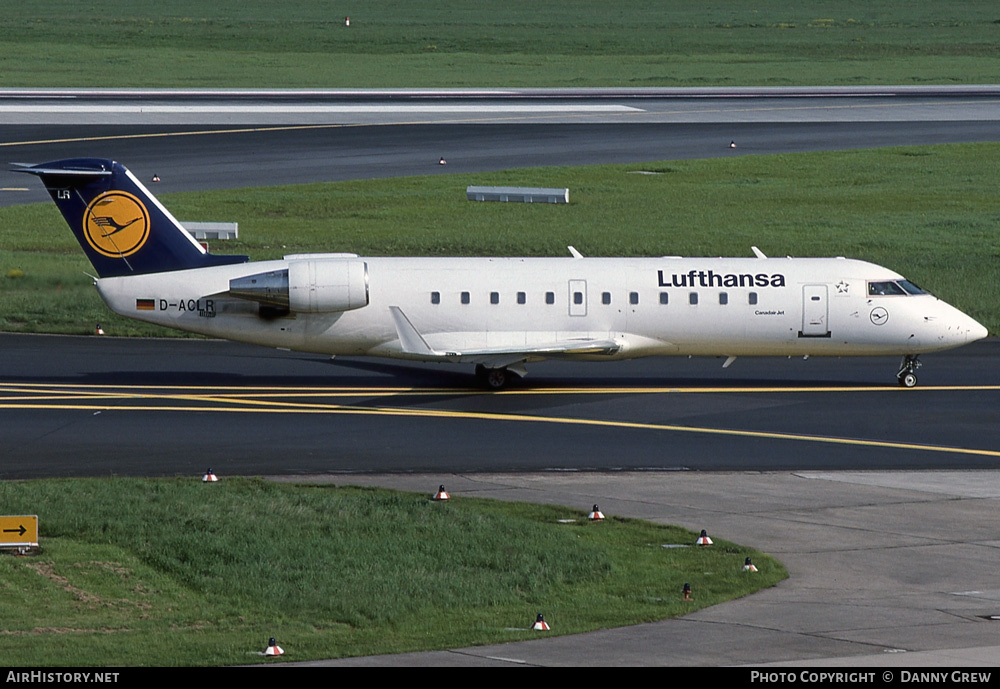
(893, 287)
(884, 288)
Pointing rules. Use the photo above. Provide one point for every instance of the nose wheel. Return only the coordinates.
(907, 375)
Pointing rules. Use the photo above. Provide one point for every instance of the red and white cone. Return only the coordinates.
(273, 649)
(98, 330)
(595, 515)
(749, 566)
(703, 539)
(347, 21)
(209, 477)
(540, 624)
(442, 494)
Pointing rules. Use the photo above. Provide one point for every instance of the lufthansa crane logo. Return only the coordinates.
(116, 224)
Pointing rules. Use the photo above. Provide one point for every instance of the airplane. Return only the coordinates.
(497, 314)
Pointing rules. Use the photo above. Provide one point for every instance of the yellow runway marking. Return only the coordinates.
(162, 135)
(228, 399)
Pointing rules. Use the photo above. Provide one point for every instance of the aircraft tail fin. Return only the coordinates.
(122, 227)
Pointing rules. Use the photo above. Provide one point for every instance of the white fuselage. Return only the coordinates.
(646, 306)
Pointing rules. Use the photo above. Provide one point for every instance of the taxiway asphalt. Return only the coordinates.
(93, 406)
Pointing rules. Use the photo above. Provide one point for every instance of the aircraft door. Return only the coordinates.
(577, 297)
(815, 311)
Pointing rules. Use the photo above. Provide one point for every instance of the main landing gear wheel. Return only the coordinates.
(907, 380)
(493, 378)
(907, 375)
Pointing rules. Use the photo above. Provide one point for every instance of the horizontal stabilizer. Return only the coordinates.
(78, 172)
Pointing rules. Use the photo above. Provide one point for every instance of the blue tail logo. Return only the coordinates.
(122, 227)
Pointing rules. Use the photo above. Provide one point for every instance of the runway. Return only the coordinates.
(199, 140)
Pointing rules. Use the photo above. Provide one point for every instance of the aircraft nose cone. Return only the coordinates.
(961, 329)
(969, 329)
(977, 332)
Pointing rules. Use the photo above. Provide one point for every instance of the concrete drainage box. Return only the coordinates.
(518, 194)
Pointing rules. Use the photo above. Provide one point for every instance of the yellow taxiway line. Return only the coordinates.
(319, 391)
(262, 400)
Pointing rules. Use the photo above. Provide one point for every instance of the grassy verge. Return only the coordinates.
(930, 213)
(175, 572)
(455, 43)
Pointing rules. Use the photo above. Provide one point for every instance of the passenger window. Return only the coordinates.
(494, 297)
(435, 297)
(664, 297)
(693, 298)
(606, 298)
(633, 298)
(465, 297)
(550, 297)
(521, 298)
(753, 298)
(723, 298)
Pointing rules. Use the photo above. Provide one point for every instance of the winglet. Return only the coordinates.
(413, 342)
(757, 252)
(574, 252)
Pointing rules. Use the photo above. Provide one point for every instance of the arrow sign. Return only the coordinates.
(18, 530)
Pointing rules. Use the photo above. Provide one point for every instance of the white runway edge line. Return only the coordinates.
(312, 108)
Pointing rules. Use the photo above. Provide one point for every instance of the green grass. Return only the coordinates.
(930, 213)
(458, 43)
(176, 572)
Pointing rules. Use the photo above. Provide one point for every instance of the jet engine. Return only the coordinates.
(307, 286)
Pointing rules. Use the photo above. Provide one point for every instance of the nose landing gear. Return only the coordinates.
(907, 375)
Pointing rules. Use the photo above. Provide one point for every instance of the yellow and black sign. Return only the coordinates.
(116, 224)
(18, 530)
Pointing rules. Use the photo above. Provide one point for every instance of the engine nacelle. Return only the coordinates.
(308, 286)
(323, 286)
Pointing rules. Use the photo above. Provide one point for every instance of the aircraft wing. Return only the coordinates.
(496, 357)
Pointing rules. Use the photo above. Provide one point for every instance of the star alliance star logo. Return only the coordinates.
(842, 287)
